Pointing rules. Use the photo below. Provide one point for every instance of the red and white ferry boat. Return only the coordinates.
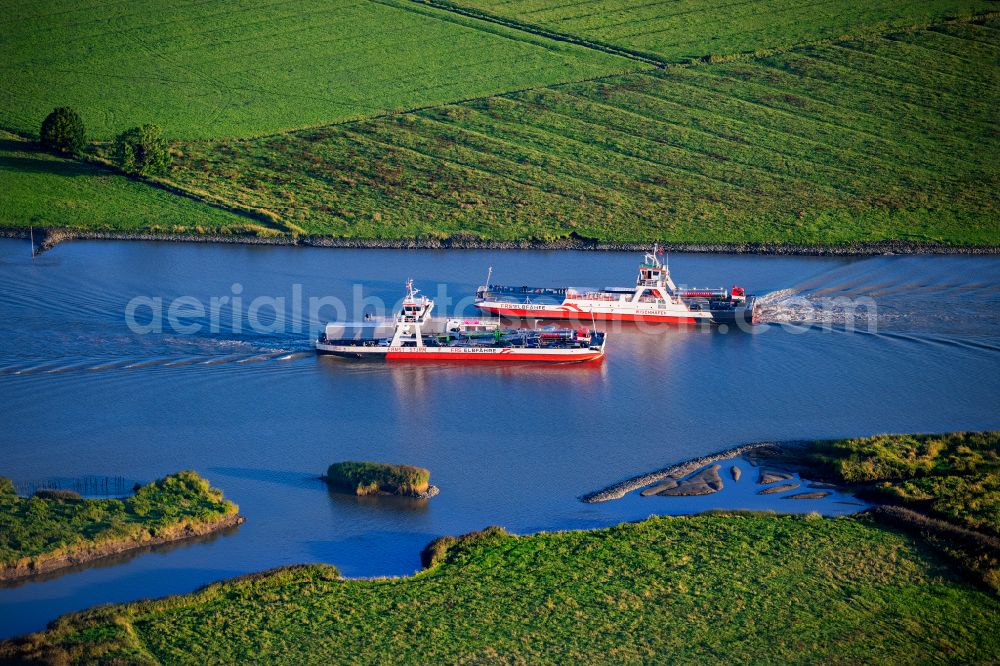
(655, 298)
(417, 336)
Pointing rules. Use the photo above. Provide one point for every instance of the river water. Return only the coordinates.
(888, 344)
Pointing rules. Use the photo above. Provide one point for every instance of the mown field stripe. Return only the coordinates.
(844, 113)
(718, 20)
(566, 170)
(829, 75)
(961, 45)
(772, 114)
(963, 55)
(915, 94)
(944, 64)
(539, 139)
(559, 171)
(596, 182)
(850, 160)
(465, 165)
(866, 62)
(685, 29)
(551, 129)
(744, 95)
(821, 168)
(700, 155)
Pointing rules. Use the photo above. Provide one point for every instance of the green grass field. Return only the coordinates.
(679, 30)
(739, 589)
(43, 190)
(221, 69)
(890, 137)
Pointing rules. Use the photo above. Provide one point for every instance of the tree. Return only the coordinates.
(142, 150)
(63, 131)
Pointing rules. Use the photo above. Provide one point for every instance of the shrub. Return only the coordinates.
(63, 131)
(6, 487)
(369, 478)
(142, 151)
(436, 551)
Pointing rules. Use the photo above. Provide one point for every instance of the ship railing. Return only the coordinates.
(525, 290)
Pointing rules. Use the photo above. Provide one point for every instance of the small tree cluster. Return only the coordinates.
(63, 131)
(142, 151)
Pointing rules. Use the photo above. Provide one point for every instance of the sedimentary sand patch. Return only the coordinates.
(772, 476)
(705, 482)
(778, 489)
(817, 494)
(659, 487)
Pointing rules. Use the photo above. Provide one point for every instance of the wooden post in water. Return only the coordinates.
(31, 232)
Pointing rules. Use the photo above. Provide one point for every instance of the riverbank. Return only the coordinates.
(52, 531)
(89, 553)
(47, 238)
(677, 589)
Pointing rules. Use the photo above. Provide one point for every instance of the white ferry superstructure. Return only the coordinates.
(654, 298)
(418, 337)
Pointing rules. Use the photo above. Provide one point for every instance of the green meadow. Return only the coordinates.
(739, 589)
(40, 189)
(879, 138)
(221, 69)
(679, 30)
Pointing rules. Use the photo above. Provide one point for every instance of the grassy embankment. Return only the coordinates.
(732, 589)
(881, 137)
(370, 478)
(49, 531)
